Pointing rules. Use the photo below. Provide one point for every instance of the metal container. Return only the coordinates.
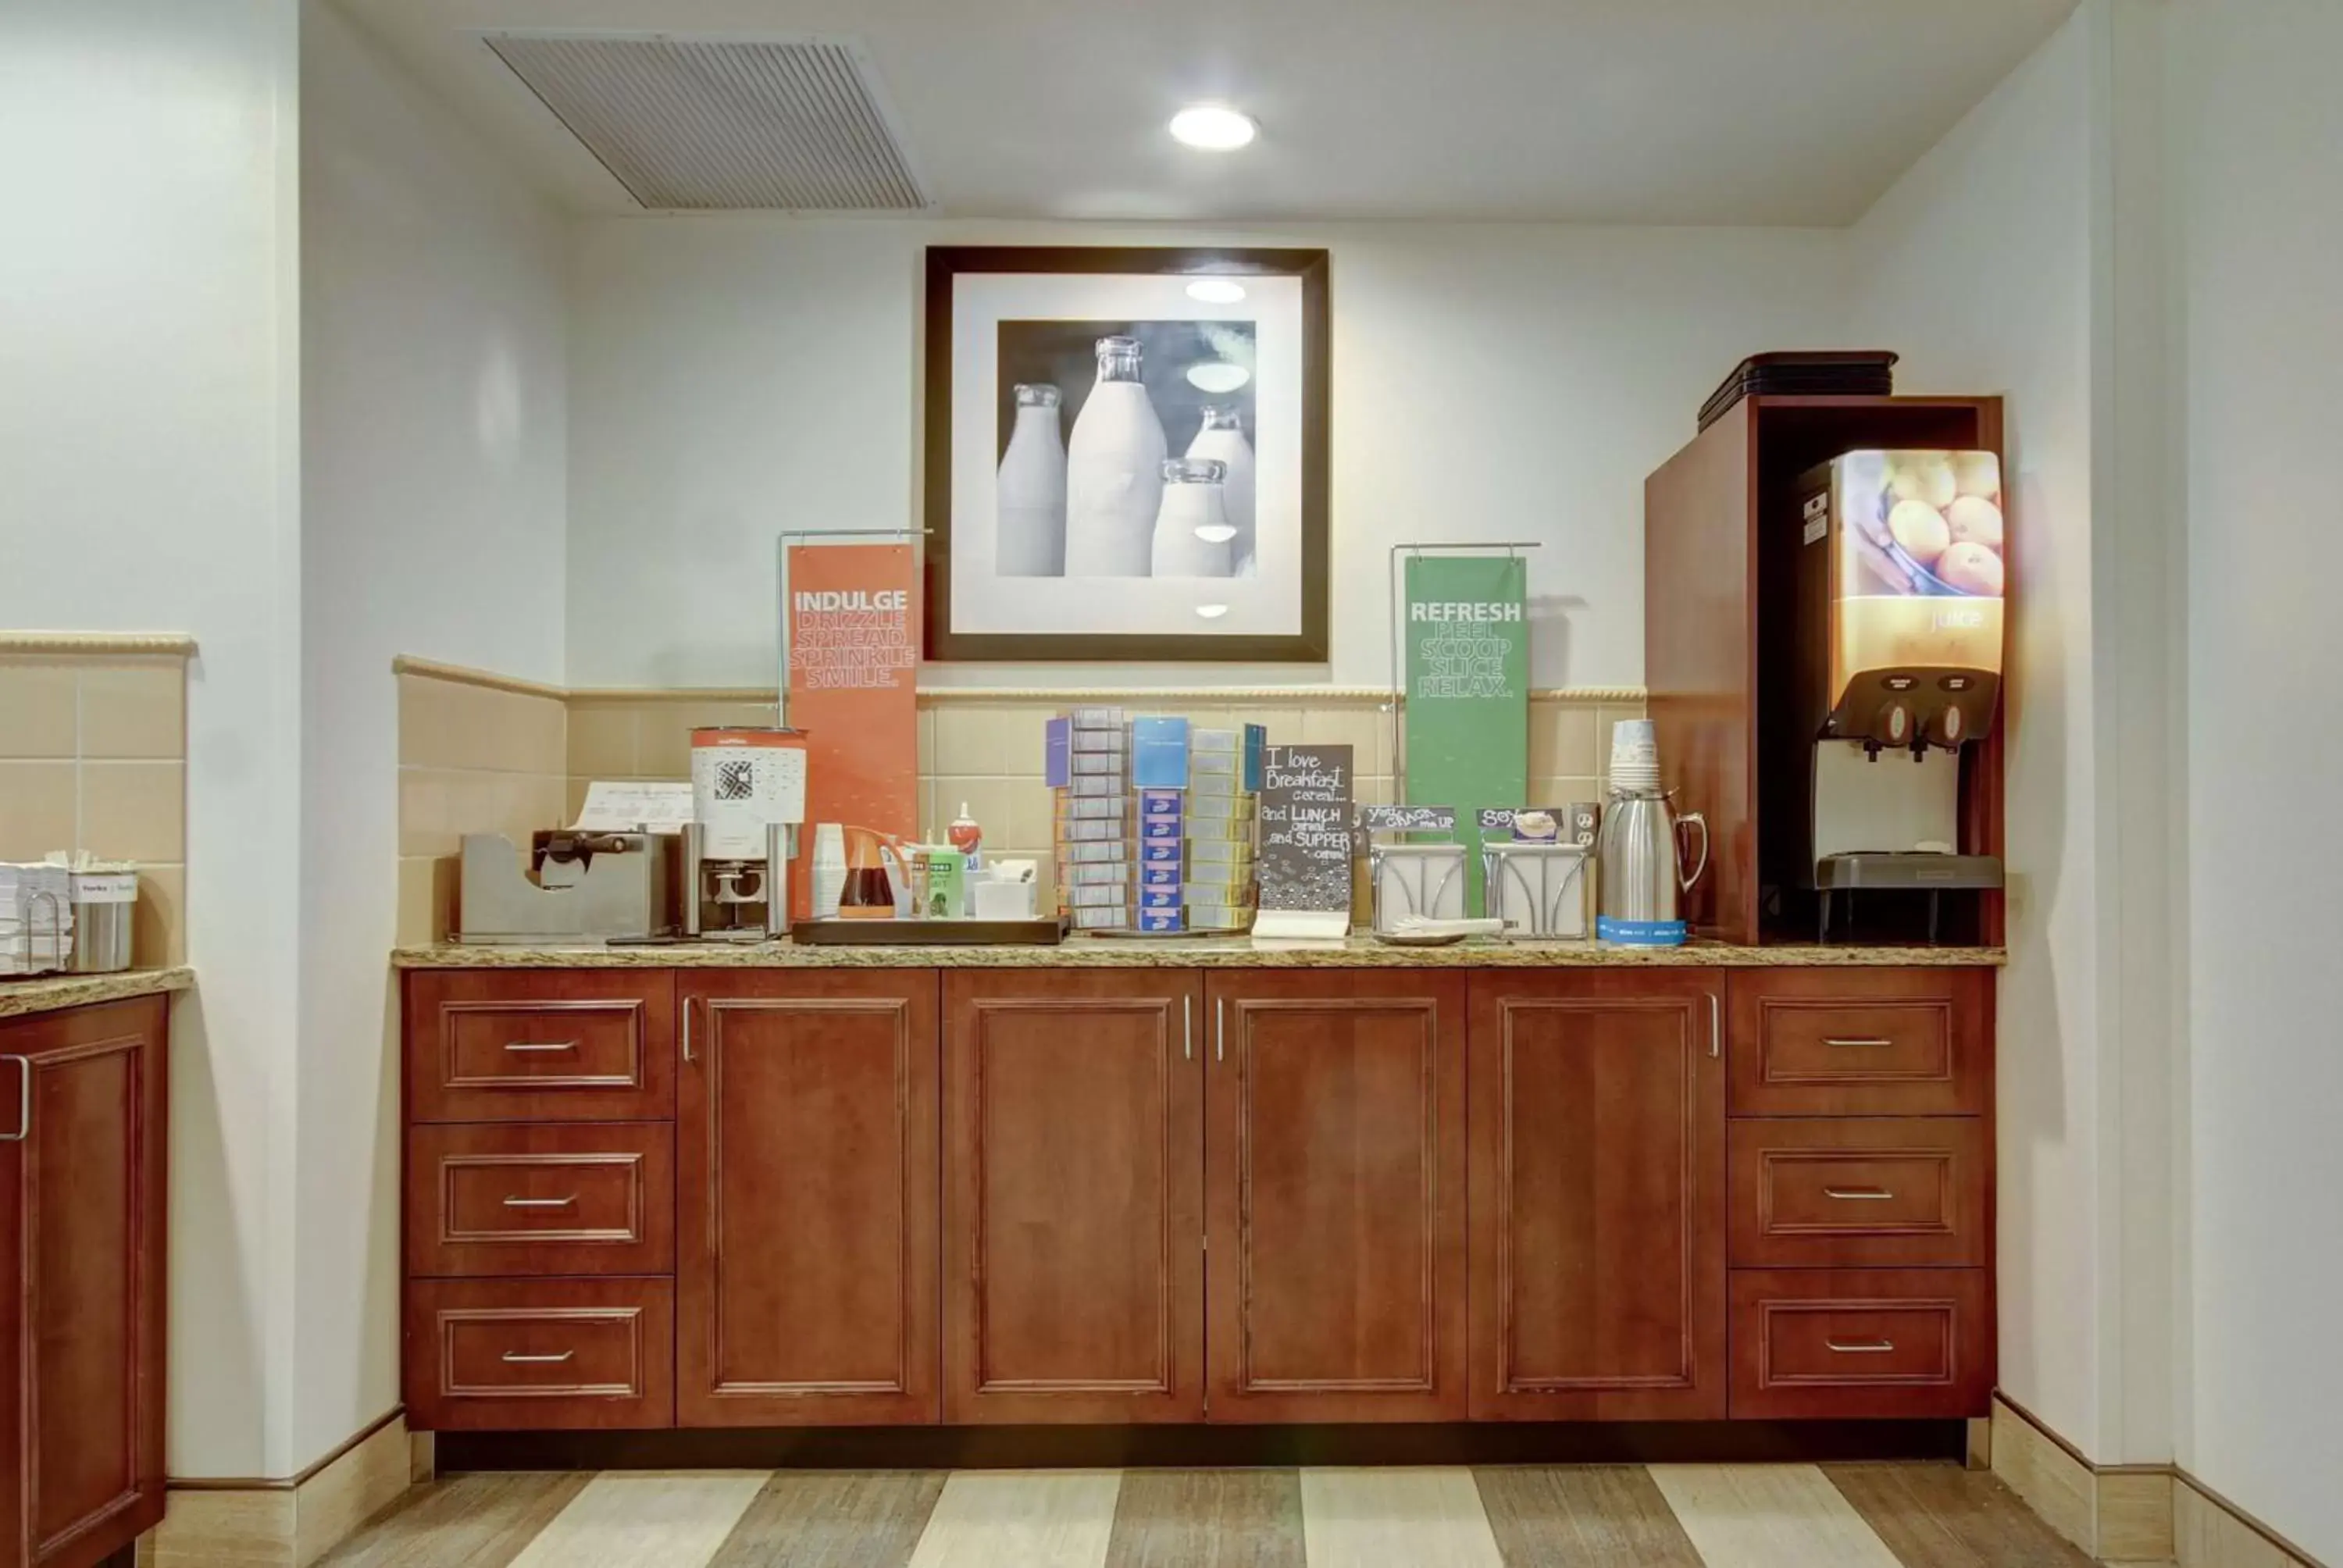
(105, 909)
(1640, 857)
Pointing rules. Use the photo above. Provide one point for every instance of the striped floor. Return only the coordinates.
(1677, 1516)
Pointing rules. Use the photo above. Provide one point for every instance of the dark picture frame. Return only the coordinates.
(1310, 267)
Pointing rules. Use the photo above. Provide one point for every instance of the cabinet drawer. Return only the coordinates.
(1904, 1192)
(1861, 1343)
(523, 1198)
(553, 1045)
(1858, 1042)
(519, 1354)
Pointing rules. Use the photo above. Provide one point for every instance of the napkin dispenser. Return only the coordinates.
(1537, 889)
(1425, 879)
(576, 887)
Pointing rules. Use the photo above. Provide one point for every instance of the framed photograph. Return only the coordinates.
(1126, 454)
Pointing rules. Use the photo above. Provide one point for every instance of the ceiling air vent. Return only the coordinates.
(705, 124)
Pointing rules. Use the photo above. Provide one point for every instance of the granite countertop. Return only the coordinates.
(1192, 953)
(49, 993)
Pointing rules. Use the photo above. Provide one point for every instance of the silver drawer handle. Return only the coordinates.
(540, 1203)
(23, 1104)
(1858, 1194)
(1873, 1348)
(514, 1357)
(1864, 1040)
(528, 1048)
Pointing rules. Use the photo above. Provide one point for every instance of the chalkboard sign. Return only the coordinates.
(1409, 819)
(1306, 829)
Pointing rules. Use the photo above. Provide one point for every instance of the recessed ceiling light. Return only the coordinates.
(1217, 375)
(1216, 291)
(1212, 611)
(1212, 127)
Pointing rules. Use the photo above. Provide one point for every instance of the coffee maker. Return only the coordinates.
(748, 802)
(1898, 636)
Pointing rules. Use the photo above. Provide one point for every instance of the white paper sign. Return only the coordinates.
(662, 804)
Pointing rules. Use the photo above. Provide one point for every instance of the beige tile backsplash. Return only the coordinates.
(987, 750)
(92, 750)
(472, 758)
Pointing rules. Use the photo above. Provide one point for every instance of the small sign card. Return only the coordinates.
(1305, 842)
(1408, 819)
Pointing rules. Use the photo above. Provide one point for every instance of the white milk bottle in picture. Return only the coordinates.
(1192, 530)
(1030, 541)
(1114, 470)
(1223, 441)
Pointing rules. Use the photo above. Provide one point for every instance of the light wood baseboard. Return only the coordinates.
(287, 1523)
(2144, 1514)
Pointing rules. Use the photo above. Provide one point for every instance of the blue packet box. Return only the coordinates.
(1159, 753)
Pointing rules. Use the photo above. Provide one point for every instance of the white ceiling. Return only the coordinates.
(1629, 111)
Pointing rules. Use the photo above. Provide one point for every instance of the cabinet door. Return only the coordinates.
(1598, 1197)
(1334, 1158)
(806, 1141)
(1073, 1229)
(81, 1233)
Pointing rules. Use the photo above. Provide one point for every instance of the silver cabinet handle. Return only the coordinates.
(1861, 1041)
(514, 1357)
(1220, 1029)
(531, 1047)
(1858, 1194)
(1870, 1348)
(540, 1203)
(1715, 1026)
(24, 1103)
(687, 1032)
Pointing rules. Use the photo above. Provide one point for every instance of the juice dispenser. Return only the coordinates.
(1899, 631)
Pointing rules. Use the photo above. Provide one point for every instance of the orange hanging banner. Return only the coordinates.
(853, 663)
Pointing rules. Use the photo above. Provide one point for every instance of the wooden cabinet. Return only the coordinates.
(1334, 1196)
(83, 1099)
(805, 1146)
(1598, 1255)
(1073, 1233)
(1123, 1194)
(1862, 1192)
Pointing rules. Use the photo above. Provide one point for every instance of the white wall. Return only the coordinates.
(148, 482)
(1978, 267)
(734, 378)
(2259, 132)
(433, 473)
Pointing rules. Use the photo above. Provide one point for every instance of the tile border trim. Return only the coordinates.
(465, 675)
(166, 644)
(1171, 694)
(2098, 1475)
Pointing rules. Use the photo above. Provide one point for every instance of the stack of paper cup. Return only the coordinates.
(1635, 755)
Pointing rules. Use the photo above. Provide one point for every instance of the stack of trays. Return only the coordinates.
(1814, 373)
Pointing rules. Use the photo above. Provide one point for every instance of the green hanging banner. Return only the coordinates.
(1467, 634)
